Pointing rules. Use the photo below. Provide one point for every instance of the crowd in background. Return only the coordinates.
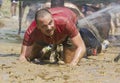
(33, 5)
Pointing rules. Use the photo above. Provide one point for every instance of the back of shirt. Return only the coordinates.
(63, 12)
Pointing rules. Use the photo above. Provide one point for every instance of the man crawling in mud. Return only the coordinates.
(53, 26)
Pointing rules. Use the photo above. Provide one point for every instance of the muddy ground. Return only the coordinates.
(95, 69)
(104, 68)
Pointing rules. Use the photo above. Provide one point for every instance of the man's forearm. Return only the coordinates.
(25, 52)
(79, 53)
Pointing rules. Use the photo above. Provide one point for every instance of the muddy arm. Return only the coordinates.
(25, 52)
(79, 49)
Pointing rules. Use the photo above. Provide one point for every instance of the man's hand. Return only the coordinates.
(73, 64)
(25, 51)
(22, 59)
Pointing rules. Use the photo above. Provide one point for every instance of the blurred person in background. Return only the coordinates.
(1, 1)
(13, 8)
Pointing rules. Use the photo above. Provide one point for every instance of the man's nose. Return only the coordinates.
(49, 27)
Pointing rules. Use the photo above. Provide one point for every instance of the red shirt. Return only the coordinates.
(65, 24)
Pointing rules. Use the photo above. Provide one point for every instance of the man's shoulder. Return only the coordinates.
(32, 26)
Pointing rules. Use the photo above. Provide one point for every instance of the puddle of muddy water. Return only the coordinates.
(10, 35)
(10, 41)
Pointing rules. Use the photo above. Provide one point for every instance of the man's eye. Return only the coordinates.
(50, 22)
(44, 27)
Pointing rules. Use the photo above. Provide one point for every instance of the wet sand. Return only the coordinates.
(95, 69)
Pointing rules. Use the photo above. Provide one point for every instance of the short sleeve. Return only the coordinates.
(28, 36)
(71, 29)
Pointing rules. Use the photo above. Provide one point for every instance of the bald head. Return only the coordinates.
(41, 14)
(45, 22)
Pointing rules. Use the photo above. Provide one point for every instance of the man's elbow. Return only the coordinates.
(84, 49)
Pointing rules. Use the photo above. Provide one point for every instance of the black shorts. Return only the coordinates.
(91, 42)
